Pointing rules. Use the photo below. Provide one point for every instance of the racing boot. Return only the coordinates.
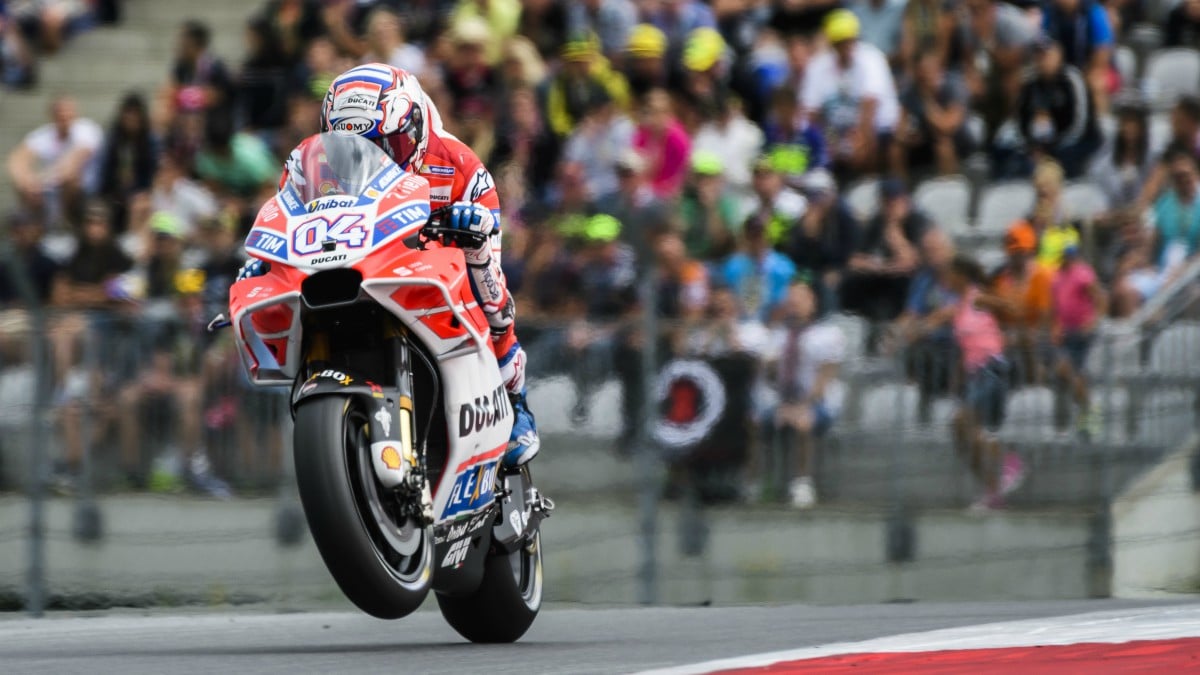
(523, 444)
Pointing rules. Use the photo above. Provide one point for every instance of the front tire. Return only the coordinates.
(507, 601)
(382, 562)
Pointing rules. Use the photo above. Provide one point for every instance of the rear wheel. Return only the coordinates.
(507, 601)
(379, 556)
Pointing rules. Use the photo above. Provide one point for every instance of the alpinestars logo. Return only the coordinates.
(457, 553)
(480, 184)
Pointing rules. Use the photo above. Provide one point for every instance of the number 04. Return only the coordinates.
(309, 236)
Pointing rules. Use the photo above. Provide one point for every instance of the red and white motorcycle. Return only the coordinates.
(401, 417)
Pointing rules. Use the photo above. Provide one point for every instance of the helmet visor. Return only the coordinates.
(403, 143)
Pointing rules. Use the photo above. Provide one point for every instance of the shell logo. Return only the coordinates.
(391, 457)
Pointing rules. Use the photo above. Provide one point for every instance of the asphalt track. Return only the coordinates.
(564, 640)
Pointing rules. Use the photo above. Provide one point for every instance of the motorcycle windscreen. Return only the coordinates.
(332, 164)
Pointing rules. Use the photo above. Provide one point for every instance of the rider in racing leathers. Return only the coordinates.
(388, 106)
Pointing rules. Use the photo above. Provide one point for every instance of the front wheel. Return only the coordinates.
(381, 559)
(507, 601)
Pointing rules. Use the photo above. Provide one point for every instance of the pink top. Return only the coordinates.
(1074, 307)
(667, 157)
(978, 334)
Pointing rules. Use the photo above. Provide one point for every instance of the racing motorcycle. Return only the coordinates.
(401, 416)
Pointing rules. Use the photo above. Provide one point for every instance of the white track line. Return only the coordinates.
(1112, 627)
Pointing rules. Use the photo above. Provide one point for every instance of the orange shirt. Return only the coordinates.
(1030, 297)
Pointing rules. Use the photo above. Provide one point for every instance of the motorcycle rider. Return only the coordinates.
(387, 106)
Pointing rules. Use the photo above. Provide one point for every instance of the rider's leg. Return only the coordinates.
(487, 282)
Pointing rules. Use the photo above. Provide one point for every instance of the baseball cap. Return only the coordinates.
(841, 25)
(579, 48)
(1020, 238)
(702, 49)
(163, 222)
(646, 41)
(707, 163)
(470, 31)
(602, 228)
(890, 188)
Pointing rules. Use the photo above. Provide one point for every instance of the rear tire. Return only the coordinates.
(384, 567)
(507, 601)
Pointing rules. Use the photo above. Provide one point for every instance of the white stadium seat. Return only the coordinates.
(1001, 204)
(1084, 200)
(863, 199)
(947, 200)
(1170, 74)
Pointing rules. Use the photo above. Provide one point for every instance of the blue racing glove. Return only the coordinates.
(469, 218)
(253, 268)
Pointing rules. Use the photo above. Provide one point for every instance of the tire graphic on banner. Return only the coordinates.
(693, 397)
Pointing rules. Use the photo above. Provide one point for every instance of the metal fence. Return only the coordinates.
(647, 512)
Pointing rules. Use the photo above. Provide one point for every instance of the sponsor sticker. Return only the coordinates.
(384, 417)
(337, 375)
(391, 458)
(354, 125)
(483, 413)
(267, 243)
(473, 489)
(480, 184)
(457, 553)
(361, 95)
(440, 194)
(438, 170)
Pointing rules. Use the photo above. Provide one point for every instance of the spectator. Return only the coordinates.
(1185, 135)
(822, 242)
(1124, 164)
(130, 157)
(611, 20)
(849, 91)
(664, 143)
(996, 33)
(725, 331)
(926, 25)
(501, 16)
(641, 212)
(18, 67)
(880, 21)
(525, 140)
(677, 19)
(1183, 25)
(807, 356)
(793, 143)
(173, 192)
(1050, 219)
(259, 86)
(757, 274)
(1082, 29)
(54, 167)
(885, 260)
(1021, 299)
(165, 256)
(468, 77)
(1175, 216)
(235, 162)
(385, 43)
(583, 83)
(1056, 114)
(930, 352)
(608, 271)
(1079, 302)
(705, 77)
(25, 233)
(985, 390)
(295, 24)
(50, 22)
(644, 65)
(709, 212)
(523, 67)
(737, 140)
(932, 131)
(91, 277)
(599, 141)
(545, 25)
(777, 205)
(682, 283)
(199, 82)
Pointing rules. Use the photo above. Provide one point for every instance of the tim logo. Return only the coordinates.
(472, 489)
(483, 413)
(267, 243)
(400, 220)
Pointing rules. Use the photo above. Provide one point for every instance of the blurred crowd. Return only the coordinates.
(711, 144)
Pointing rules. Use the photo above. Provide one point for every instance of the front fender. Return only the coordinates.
(390, 413)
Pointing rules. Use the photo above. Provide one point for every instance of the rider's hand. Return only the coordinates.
(471, 219)
(253, 268)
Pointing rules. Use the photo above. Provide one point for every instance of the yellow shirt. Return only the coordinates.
(1054, 241)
